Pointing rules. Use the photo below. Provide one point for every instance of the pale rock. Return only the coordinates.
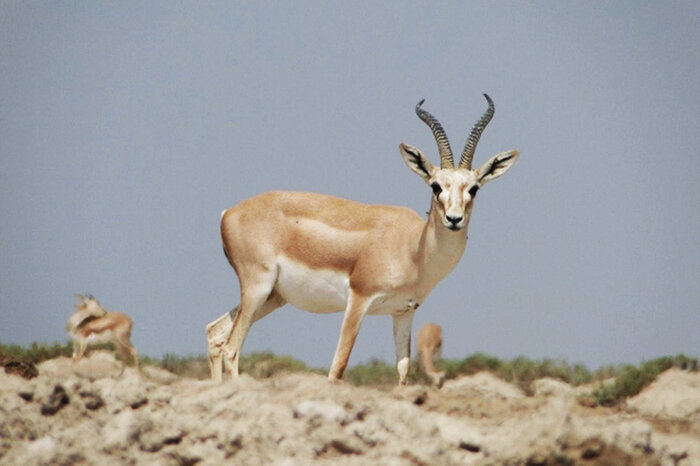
(122, 430)
(675, 394)
(553, 387)
(303, 419)
(324, 410)
(485, 383)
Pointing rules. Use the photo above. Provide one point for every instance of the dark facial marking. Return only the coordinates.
(473, 190)
(436, 189)
(417, 161)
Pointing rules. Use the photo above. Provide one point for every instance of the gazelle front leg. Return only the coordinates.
(76, 352)
(402, 343)
(78, 355)
(354, 313)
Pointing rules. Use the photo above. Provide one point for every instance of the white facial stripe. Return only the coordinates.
(455, 197)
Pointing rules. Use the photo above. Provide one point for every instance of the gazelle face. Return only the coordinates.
(454, 190)
(455, 186)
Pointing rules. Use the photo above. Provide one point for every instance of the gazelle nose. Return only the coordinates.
(453, 220)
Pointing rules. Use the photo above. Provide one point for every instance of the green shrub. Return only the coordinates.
(373, 373)
(186, 366)
(631, 380)
(520, 371)
(258, 365)
(266, 364)
(470, 365)
(37, 352)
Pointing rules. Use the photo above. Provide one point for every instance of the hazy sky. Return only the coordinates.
(127, 127)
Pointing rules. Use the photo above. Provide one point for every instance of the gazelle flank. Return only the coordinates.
(91, 324)
(430, 351)
(325, 254)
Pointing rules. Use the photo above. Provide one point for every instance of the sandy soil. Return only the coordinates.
(95, 416)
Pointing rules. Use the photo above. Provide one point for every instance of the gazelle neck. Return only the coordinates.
(440, 248)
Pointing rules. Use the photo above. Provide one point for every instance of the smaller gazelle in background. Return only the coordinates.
(430, 351)
(91, 323)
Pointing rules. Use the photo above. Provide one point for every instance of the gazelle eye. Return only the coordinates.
(473, 190)
(436, 189)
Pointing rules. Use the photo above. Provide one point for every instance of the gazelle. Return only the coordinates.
(325, 254)
(430, 349)
(91, 323)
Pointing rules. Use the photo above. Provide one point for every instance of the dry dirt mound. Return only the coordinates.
(153, 417)
(675, 394)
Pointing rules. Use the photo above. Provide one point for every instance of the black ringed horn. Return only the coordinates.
(469, 148)
(446, 160)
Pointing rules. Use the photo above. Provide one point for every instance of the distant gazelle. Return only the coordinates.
(91, 323)
(325, 254)
(430, 350)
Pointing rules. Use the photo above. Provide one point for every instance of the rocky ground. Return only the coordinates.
(96, 416)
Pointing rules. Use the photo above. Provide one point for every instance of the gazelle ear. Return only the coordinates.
(496, 166)
(416, 161)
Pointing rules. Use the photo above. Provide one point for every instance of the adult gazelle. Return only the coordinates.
(325, 254)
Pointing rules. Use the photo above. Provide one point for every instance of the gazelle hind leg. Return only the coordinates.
(253, 298)
(122, 341)
(218, 333)
(439, 378)
(133, 353)
(354, 313)
(274, 301)
(402, 344)
(125, 355)
(216, 366)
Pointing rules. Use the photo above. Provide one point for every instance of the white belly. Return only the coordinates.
(314, 290)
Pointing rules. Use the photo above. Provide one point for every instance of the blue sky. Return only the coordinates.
(126, 128)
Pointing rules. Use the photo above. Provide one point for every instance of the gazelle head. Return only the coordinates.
(454, 187)
(89, 305)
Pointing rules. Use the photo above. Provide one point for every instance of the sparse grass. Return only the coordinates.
(39, 352)
(259, 365)
(187, 366)
(36, 352)
(264, 365)
(477, 362)
(521, 371)
(631, 380)
(373, 373)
